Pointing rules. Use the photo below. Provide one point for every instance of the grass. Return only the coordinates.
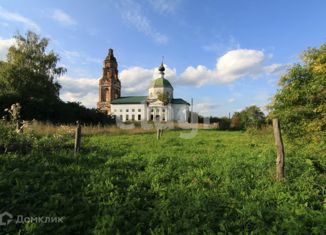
(215, 183)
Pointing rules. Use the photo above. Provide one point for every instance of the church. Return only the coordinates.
(158, 105)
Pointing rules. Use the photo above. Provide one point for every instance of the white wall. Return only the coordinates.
(121, 109)
(176, 112)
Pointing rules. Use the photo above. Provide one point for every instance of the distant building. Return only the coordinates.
(158, 105)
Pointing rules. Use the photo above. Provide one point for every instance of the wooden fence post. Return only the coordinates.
(158, 133)
(77, 137)
(279, 150)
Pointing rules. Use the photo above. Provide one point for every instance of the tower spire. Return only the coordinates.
(161, 68)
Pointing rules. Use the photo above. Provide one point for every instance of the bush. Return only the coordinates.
(11, 141)
(300, 104)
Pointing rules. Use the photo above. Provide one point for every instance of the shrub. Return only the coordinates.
(11, 141)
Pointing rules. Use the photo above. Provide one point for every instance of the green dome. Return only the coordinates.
(161, 82)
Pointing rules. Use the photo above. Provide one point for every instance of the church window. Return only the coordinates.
(152, 110)
(120, 110)
(157, 110)
(107, 94)
(121, 117)
(139, 117)
(139, 110)
(127, 110)
(133, 110)
(133, 117)
(127, 117)
(163, 110)
(115, 110)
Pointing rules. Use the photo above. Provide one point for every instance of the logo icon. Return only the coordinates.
(5, 218)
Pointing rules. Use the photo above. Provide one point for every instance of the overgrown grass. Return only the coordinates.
(217, 182)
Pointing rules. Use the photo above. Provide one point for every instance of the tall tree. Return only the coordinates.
(300, 104)
(30, 69)
(29, 75)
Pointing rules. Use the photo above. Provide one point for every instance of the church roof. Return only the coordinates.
(179, 101)
(130, 100)
(161, 82)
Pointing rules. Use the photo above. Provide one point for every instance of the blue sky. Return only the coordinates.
(226, 55)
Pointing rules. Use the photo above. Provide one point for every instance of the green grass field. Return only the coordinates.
(215, 183)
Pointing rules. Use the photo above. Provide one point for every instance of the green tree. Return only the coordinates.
(251, 116)
(164, 97)
(300, 104)
(29, 76)
(30, 71)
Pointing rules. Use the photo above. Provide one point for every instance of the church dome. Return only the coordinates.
(161, 82)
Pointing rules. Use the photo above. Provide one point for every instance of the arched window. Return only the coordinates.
(107, 94)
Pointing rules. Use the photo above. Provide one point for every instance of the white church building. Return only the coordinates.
(158, 105)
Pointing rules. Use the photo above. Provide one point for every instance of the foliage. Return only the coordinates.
(250, 117)
(300, 104)
(216, 183)
(164, 97)
(29, 77)
(30, 71)
(11, 141)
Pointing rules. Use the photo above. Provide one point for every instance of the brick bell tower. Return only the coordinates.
(109, 84)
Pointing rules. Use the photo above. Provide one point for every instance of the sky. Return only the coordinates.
(225, 54)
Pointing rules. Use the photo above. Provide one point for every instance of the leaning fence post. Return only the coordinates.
(77, 137)
(279, 150)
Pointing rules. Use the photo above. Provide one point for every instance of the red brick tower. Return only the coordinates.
(109, 84)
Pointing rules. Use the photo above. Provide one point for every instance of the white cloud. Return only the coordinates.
(4, 46)
(196, 76)
(84, 90)
(15, 17)
(231, 100)
(233, 65)
(239, 63)
(165, 6)
(132, 13)
(222, 45)
(136, 80)
(71, 56)
(275, 68)
(205, 108)
(62, 17)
